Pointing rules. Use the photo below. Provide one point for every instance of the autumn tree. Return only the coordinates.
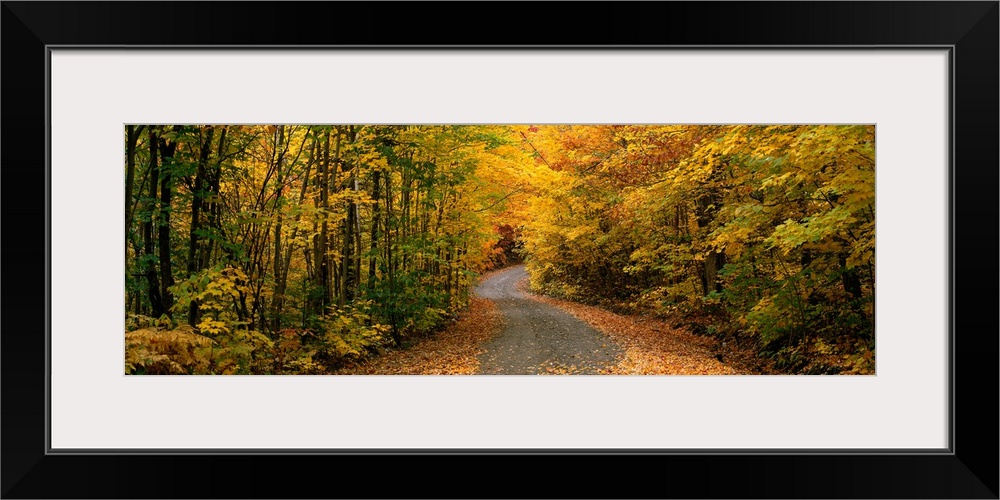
(769, 230)
(297, 248)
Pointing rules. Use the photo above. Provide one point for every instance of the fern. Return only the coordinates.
(157, 351)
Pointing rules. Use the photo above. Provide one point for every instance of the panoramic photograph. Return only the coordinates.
(506, 249)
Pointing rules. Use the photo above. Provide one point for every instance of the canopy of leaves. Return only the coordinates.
(766, 232)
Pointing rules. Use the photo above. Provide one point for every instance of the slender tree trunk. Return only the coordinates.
(213, 206)
(279, 294)
(298, 216)
(131, 139)
(425, 224)
(197, 201)
(447, 277)
(149, 264)
(347, 282)
(418, 225)
(439, 252)
(374, 251)
(404, 205)
(347, 278)
(319, 232)
(390, 264)
(167, 150)
(357, 239)
(849, 277)
(706, 206)
(321, 253)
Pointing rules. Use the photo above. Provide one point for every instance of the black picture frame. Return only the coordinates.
(968, 29)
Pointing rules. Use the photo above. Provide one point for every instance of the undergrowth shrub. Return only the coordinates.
(157, 351)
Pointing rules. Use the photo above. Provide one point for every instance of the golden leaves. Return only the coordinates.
(451, 351)
(651, 347)
(161, 351)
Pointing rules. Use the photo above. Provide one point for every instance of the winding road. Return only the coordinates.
(538, 338)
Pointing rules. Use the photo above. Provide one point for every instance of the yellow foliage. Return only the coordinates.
(156, 351)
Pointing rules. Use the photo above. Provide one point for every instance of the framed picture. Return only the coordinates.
(922, 76)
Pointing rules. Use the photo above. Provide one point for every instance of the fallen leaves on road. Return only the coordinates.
(452, 351)
(651, 346)
(555, 368)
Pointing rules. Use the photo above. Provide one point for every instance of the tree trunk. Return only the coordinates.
(197, 201)
(376, 180)
(131, 139)
(447, 278)
(212, 204)
(357, 239)
(298, 216)
(347, 278)
(705, 207)
(321, 257)
(149, 261)
(389, 264)
(167, 150)
(849, 277)
(404, 205)
(713, 263)
(279, 294)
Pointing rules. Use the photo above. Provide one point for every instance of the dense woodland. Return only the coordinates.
(300, 249)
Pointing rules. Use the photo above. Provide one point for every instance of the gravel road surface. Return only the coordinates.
(537, 337)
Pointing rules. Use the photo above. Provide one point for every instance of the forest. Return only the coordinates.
(323, 249)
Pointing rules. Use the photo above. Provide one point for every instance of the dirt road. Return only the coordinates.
(539, 338)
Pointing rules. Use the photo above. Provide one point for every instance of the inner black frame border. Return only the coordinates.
(968, 30)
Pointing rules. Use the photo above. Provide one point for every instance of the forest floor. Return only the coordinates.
(509, 330)
(452, 351)
(650, 346)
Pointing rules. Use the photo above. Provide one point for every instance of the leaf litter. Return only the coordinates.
(651, 346)
(452, 351)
